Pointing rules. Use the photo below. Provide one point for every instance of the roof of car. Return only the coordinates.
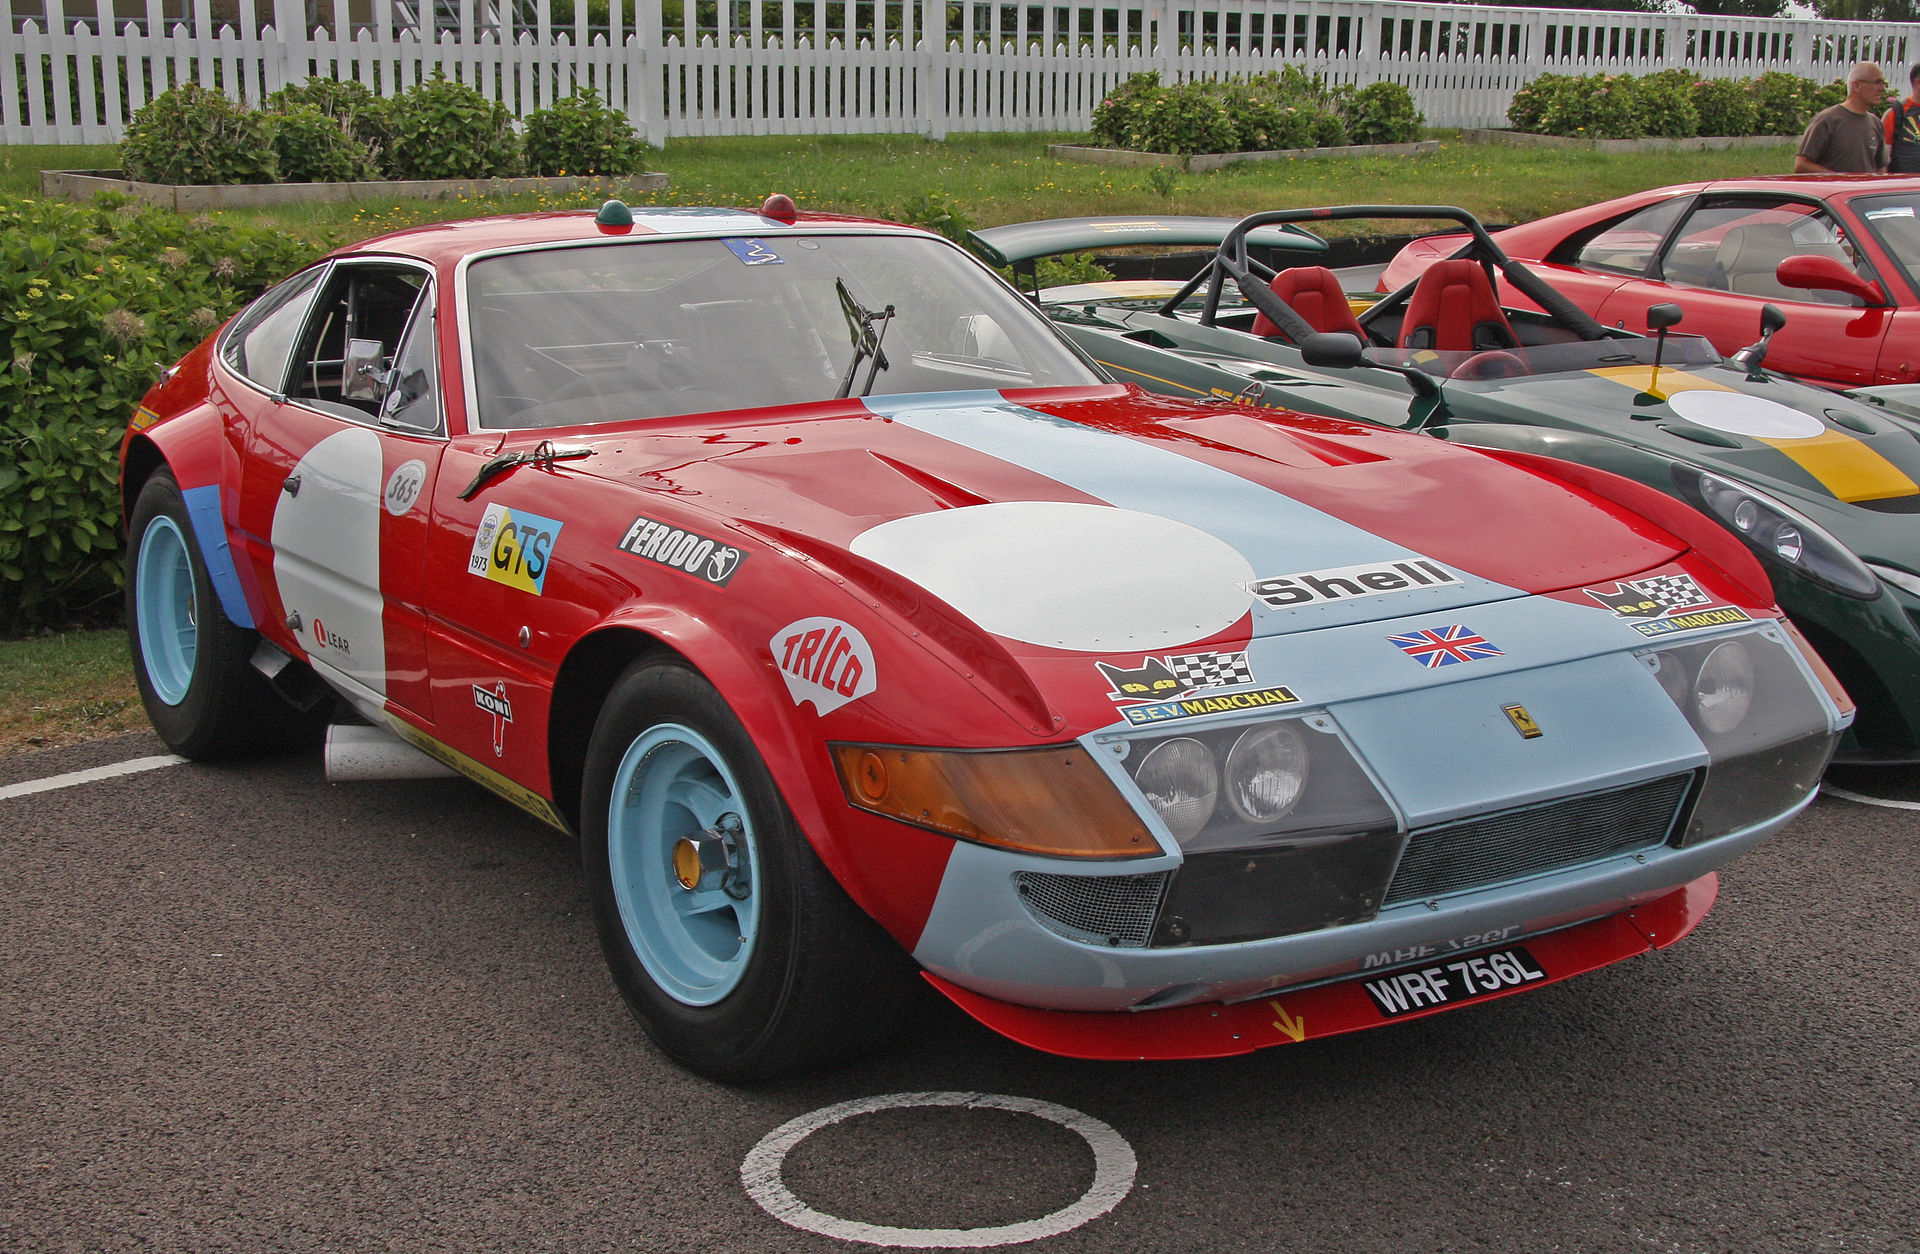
(446, 242)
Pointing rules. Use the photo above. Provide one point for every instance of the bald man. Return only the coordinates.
(1846, 138)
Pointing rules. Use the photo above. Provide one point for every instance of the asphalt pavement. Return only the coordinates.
(244, 1009)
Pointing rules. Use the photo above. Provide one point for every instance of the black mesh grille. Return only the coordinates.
(1094, 909)
(1476, 852)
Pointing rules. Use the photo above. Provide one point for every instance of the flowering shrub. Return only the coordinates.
(1382, 113)
(1287, 108)
(311, 147)
(1666, 104)
(1671, 103)
(1115, 117)
(580, 135)
(92, 300)
(1725, 107)
(1782, 103)
(444, 129)
(192, 135)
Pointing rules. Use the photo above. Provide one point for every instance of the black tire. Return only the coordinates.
(778, 974)
(193, 665)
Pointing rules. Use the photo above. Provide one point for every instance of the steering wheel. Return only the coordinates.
(1495, 363)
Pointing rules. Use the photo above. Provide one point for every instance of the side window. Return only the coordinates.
(1738, 247)
(350, 338)
(261, 341)
(1627, 246)
(412, 391)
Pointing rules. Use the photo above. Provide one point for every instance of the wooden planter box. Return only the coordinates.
(83, 184)
(1697, 143)
(1215, 160)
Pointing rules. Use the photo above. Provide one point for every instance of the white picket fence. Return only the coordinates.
(733, 67)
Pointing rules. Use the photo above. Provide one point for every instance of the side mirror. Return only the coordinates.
(1335, 350)
(363, 376)
(1662, 316)
(1771, 320)
(1824, 274)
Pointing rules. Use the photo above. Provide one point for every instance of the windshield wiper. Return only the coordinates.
(866, 340)
(544, 454)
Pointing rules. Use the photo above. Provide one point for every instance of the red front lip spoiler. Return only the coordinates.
(1212, 1030)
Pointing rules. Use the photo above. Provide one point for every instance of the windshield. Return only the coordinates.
(1541, 359)
(1896, 224)
(565, 336)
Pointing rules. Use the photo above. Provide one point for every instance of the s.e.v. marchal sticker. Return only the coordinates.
(672, 547)
(1187, 685)
(1664, 604)
(825, 661)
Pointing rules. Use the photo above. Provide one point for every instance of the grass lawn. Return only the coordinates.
(62, 689)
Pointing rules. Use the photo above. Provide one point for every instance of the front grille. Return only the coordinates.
(1474, 853)
(1115, 910)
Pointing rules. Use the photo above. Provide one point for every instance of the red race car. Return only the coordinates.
(860, 629)
(1839, 254)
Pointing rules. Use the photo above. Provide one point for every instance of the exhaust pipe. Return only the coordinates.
(357, 753)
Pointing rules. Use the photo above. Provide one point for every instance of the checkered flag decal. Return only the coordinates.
(1673, 592)
(1211, 670)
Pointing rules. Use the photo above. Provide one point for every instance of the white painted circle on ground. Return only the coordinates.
(1113, 1173)
(1736, 413)
(1093, 578)
(1862, 799)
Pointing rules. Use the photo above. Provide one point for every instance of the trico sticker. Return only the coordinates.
(695, 554)
(825, 661)
(1175, 675)
(1450, 983)
(1444, 646)
(513, 547)
(1344, 583)
(754, 252)
(403, 486)
(495, 702)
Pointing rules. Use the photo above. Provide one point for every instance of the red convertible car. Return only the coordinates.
(861, 631)
(1839, 254)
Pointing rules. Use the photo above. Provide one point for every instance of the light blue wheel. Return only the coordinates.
(165, 617)
(673, 791)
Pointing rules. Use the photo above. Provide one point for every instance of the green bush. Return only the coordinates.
(92, 300)
(1528, 109)
(1115, 117)
(1597, 106)
(354, 105)
(935, 213)
(1725, 107)
(1287, 108)
(1666, 104)
(444, 129)
(192, 135)
(579, 135)
(1833, 93)
(1782, 103)
(311, 147)
(1190, 118)
(1382, 113)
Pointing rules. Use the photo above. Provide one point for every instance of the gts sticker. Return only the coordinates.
(824, 661)
(513, 547)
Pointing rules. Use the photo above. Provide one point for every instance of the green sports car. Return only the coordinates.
(1824, 488)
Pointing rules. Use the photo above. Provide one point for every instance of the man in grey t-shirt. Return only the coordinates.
(1847, 138)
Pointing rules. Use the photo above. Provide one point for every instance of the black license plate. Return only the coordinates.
(1450, 983)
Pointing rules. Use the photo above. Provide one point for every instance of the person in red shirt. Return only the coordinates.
(1903, 130)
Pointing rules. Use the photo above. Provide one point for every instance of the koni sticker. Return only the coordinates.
(1345, 583)
(514, 547)
(495, 702)
(825, 661)
(1434, 647)
(672, 547)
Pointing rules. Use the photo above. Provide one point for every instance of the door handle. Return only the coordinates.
(291, 485)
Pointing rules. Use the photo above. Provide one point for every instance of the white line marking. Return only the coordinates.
(1864, 800)
(87, 777)
(1113, 1172)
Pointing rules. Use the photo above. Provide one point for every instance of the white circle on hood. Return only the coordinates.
(1739, 414)
(1092, 578)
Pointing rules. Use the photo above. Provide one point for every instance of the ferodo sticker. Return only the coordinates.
(1344, 583)
(695, 554)
(403, 486)
(513, 547)
(824, 661)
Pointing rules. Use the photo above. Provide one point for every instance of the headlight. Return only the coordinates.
(1181, 785)
(1906, 581)
(1723, 694)
(1773, 530)
(1266, 773)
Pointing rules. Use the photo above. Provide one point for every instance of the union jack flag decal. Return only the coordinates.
(1443, 646)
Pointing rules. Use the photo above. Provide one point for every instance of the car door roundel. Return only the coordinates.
(326, 555)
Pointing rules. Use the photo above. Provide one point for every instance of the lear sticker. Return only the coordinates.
(1344, 583)
(513, 547)
(824, 661)
(325, 639)
(754, 252)
(1444, 646)
(1651, 598)
(1719, 616)
(403, 486)
(1208, 703)
(1157, 678)
(695, 554)
(495, 702)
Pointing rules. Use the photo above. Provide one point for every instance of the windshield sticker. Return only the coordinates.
(682, 550)
(1344, 583)
(754, 252)
(513, 547)
(1435, 647)
(1157, 678)
(1891, 211)
(825, 661)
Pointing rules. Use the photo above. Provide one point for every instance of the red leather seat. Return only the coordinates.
(1313, 292)
(1453, 310)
